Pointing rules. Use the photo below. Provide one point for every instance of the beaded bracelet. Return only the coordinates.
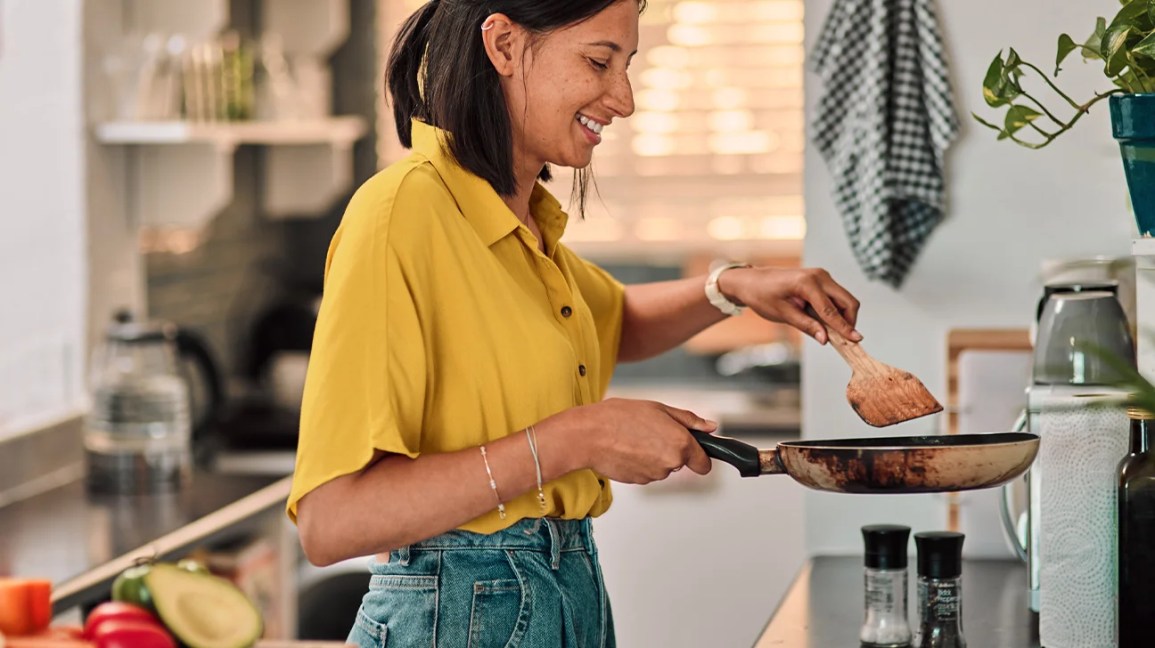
(493, 484)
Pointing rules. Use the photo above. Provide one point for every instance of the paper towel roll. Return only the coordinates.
(1079, 452)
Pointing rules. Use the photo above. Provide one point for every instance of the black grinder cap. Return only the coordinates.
(939, 554)
(885, 545)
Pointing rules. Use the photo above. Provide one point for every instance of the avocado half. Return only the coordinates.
(202, 610)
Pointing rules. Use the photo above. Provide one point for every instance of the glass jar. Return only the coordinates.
(939, 590)
(885, 579)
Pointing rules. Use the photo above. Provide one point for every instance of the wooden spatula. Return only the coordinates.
(881, 394)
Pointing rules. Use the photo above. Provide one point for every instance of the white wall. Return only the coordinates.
(42, 228)
(1010, 209)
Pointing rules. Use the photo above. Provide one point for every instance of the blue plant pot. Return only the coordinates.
(1133, 124)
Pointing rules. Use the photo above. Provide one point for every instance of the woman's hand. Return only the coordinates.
(634, 441)
(782, 295)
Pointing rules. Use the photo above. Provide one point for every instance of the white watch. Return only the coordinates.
(720, 301)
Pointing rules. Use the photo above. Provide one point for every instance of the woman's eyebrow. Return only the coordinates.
(610, 44)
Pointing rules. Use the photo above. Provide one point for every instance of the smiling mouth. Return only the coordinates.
(593, 126)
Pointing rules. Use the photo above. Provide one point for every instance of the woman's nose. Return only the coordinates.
(620, 98)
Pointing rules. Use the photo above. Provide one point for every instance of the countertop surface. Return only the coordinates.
(70, 536)
(824, 606)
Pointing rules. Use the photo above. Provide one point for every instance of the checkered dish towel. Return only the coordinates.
(883, 124)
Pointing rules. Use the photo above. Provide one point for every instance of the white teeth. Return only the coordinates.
(590, 124)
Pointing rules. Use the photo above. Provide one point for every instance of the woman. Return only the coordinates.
(453, 422)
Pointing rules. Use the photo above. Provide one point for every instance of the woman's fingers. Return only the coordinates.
(846, 302)
(693, 456)
(690, 420)
(829, 313)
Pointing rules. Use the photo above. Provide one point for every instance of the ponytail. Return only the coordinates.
(404, 68)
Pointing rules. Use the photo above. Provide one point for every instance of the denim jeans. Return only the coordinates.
(537, 584)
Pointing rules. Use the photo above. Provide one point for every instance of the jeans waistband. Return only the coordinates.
(547, 535)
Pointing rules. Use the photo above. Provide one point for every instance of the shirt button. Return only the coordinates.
(566, 311)
(582, 369)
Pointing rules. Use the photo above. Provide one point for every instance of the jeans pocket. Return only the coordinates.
(367, 633)
(497, 608)
(404, 607)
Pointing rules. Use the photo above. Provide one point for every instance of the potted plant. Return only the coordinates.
(1126, 48)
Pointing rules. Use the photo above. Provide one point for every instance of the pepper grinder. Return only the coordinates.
(939, 590)
(885, 625)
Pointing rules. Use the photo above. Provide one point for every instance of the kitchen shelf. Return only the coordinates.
(179, 174)
(340, 131)
(184, 170)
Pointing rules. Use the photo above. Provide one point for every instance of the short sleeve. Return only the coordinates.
(605, 297)
(365, 387)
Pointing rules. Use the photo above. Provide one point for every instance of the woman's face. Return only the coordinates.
(569, 85)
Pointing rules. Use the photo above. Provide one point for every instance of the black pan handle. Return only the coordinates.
(742, 456)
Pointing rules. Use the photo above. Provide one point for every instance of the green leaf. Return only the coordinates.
(1145, 47)
(1093, 48)
(1013, 59)
(1128, 81)
(1113, 50)
(999, 85)
(1142, 391)
(1019, 116)
(1066, 46)
(1114, 39)
(993, 81)
(1151, 11)
(1133, 14)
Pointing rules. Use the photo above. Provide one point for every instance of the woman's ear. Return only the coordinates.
(502, 39)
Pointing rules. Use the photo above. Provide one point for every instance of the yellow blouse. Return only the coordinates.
(442, 327)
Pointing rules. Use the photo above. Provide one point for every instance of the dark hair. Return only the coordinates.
(439, 73)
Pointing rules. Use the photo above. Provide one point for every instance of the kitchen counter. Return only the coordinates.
(81, 542)
(824, 607)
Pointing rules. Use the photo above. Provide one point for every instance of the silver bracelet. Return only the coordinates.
(531, 436)
(493, 484)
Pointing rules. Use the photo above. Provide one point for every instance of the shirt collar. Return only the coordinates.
(478, 201)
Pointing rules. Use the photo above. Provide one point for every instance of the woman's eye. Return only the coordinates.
(598, 64)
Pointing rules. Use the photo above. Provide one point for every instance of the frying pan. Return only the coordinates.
(913, 464)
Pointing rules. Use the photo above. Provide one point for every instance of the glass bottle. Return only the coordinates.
(885, 624)
(939, 590)
(1137, 534)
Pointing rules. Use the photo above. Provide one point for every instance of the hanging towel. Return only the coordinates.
(883, 124)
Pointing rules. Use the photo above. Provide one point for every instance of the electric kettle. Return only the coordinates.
(138, 432)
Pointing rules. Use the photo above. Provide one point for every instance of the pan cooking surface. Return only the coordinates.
(908, 442)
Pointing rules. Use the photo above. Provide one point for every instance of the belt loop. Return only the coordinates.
(403, 556)
(554, 545)
(588, 539)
